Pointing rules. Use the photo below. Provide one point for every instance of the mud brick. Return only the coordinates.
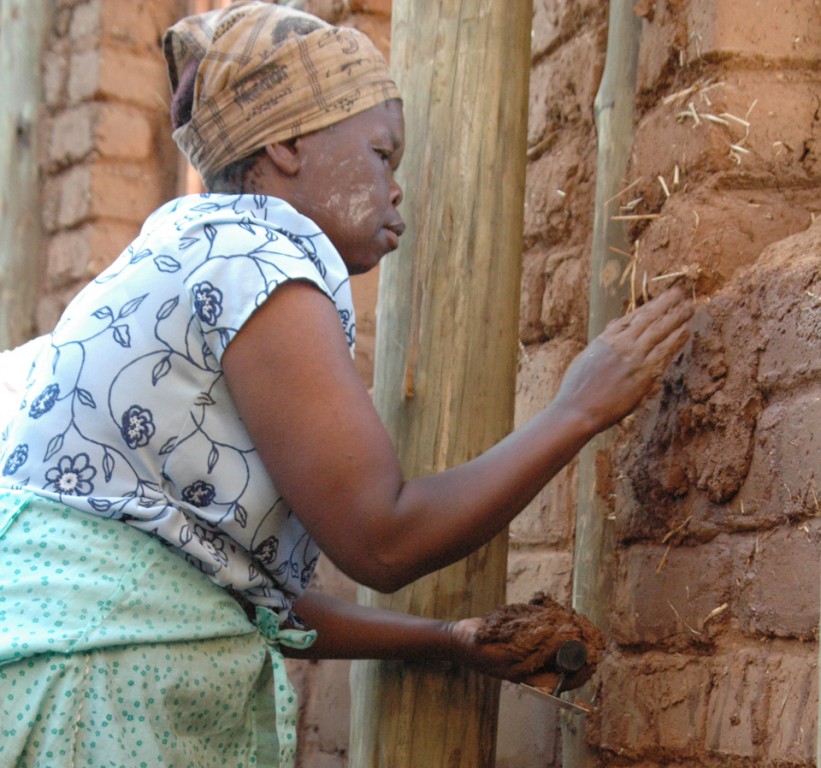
(71, 135)
(558, 190)
(382, 7)
(123, 132)
(84, 28)
(528, 730)
(539, 570)
(565, 300)
(124, 192)
(139, 79)
(790, 285)
(736, 710)
(652, 702)
(532, 291)
(139, 25)
(114, 71)
(83, 75)
(82, 253)
(793, 712)
(73, 196)
(55, 74)
(662, 594)
(563, 85)
(720, 230)
(786, 464)
(555, 21)
(106, 240)
(377, 28)
(779, 595)
(549, 518)
(767, 28)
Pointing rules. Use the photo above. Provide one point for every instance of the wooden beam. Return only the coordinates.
(447, 344)
(23, 25)
(593, 571)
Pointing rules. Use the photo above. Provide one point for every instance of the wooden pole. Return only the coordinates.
(593, 570)
(447, 344)
(23, 25)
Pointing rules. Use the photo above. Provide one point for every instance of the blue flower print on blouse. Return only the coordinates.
(137, 426)
(207, 302)
(266, 552)
(199, 493)
(44, 402)
(72, 476)
(211, 543)
(16, 459)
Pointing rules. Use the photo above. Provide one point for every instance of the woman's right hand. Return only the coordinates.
(625, 362)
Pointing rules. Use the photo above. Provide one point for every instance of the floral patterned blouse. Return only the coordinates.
(127, 415)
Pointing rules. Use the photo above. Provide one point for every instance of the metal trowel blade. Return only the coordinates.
(555, 699)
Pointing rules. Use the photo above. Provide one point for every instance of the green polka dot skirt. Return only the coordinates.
(116, 652)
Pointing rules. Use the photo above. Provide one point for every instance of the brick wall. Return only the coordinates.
(107, 155)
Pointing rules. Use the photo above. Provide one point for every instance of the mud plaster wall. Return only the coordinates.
(713, 486)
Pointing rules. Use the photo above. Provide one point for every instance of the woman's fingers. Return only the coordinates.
(673, 319)
(656, 319)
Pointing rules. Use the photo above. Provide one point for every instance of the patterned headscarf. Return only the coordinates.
(268, 73)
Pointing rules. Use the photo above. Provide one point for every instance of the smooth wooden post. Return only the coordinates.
(447, 342)
(593, 571)
(23, 25)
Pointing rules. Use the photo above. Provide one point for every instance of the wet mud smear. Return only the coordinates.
(535, 631)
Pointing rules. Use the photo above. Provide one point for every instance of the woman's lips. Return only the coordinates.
(394, 232)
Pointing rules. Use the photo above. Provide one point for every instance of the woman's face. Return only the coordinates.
(346, 185)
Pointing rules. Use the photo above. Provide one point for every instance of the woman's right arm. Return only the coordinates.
(311, 419)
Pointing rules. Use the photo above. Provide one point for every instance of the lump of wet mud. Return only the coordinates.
(534, 632)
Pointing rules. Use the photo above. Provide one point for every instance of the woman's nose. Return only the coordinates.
(396, 193)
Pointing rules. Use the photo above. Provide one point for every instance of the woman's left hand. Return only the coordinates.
(492, 659)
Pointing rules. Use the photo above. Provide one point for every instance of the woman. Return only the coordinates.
(195, 432)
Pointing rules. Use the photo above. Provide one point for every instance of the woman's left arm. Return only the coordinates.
(350, 631)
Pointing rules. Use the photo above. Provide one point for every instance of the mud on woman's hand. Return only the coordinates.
(498, 660)
(626, 361)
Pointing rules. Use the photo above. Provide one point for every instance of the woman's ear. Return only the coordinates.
(285, 156)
